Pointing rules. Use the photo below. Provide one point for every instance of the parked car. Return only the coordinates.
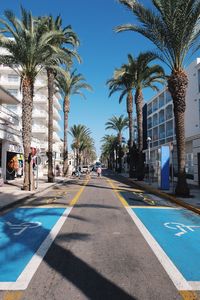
(85, 169)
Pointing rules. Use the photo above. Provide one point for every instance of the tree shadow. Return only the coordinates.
(82, 275)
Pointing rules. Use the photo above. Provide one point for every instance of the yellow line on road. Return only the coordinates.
(76, 197)
(189, 295)
(115, 190)
(12, 295)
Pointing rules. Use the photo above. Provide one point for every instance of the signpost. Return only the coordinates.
(165, 157)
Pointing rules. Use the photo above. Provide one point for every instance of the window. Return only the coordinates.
(149, 108)
(169, 112)
(162, 131)
(155, 134)
(169, 128)
(13, 77)
(149, 122)
(13, 92)
(199, 80)
(155, 119)
(161, 116)
(189, 166)
(155, 105)
(149, 134)
(168, 97)
(161, 100)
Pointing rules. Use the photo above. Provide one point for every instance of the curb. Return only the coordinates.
(166, 196)
(23, 199)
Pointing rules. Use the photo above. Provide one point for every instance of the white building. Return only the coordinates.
(10, 137)
(160, 124)
(11, 82)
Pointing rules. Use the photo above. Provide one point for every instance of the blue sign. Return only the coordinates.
(22, 231)
(165, 156)
(177, 231)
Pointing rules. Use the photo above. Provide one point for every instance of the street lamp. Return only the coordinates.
(149, 155)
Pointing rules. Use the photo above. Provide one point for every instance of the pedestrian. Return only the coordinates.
(99, 171)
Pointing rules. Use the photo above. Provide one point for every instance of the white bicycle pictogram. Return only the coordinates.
(23, 226)
(183, 229)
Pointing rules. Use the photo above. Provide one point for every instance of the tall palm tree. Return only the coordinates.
(108, 149)
(124, 83)
(69, 83)
(29, 50)
(145, 76)
(118, 124)
(174, 28)
(79, 133)
(64, 55)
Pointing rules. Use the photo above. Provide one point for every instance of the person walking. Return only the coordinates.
(99, 171)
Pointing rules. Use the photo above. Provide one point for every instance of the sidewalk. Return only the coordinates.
(11, 193)
(192, 203)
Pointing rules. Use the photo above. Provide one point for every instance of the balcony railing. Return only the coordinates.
(8, 116)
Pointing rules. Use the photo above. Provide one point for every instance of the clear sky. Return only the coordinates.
(102, 50)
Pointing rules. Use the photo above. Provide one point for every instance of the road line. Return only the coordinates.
(76, 197)
(188, 295)
(122, 200)
(176, 277)
(13, 295)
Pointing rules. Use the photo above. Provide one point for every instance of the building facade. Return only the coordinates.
(161, 126)
(11, 150)
(10, 81)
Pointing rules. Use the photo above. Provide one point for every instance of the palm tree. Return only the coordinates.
(118, 124)
(29, 51)
(124, 83)
(79, 133)
(145, 76)
(174, 28)
(69, 83)
(63, 55)
(108, 149)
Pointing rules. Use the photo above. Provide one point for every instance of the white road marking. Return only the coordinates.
(30, 269)
(177, 278)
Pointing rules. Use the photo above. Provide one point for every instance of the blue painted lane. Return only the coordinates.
(22, 231)
(177, 231)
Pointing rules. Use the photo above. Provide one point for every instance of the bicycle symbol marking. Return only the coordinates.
(23, 226)
(183, 229)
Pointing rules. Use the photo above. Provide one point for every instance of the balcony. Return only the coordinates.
(56, 126)
(57, 104)
(56, 138)
(40, 114)
(56, 115)
(38, 98)
(8, 116)
(39, 129)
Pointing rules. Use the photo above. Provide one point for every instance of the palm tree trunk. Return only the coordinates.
(50, 76)
(129, 104)
(65, 150)
(140, 163)
(27, 108)
(177, 85)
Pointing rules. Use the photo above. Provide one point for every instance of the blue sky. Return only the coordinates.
(102, 50)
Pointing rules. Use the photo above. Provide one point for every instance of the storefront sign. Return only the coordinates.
(14, 148)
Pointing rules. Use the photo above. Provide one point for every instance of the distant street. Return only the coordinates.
(111, 241)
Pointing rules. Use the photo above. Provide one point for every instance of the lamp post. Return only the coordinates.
(149, 155)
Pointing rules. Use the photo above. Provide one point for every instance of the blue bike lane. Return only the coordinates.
(174, 236)
(25, 236)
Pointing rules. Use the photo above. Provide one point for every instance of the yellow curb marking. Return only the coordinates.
(76, 197)
(12, 295)
(122, 200)
(188, 295)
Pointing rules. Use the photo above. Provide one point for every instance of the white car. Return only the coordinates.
(84, 169)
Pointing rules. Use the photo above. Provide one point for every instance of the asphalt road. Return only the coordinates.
(99, 252)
